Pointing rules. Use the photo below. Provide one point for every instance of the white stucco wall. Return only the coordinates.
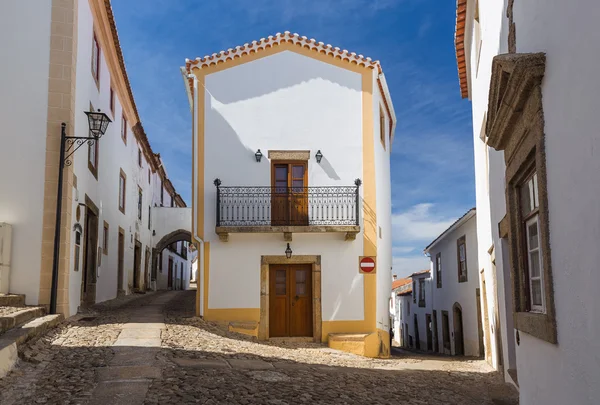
(179, 282)
(452, 291)
(420, 312)
(566, 372)
(23, 112)
(284, 102)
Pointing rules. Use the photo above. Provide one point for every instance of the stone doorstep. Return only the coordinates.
(12, 300)
(16, 318)
(13, 338)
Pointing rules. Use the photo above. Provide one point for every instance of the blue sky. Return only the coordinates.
(432, 156)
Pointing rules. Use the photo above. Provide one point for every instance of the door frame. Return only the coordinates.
(170, 273)
(289, 195)
(88, 281)
(457, 324)
(137, 265)
(315, 262)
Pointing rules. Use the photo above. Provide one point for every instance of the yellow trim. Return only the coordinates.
(206, 273)
(232, 314)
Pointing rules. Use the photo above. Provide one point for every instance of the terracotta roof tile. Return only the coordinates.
(459, 42)
(401, 282)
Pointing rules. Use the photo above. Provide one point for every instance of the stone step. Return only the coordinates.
(12, 339)
(18, 317)
(12, 300)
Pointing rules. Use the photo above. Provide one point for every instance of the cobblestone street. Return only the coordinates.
(152, 351)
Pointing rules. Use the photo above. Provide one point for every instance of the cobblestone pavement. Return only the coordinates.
(114, 356)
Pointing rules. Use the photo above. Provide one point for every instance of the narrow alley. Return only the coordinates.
(152, 351)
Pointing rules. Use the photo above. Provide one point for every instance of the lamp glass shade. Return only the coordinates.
(258, 155)
(288, 251)
(319, 156)
(98, 122)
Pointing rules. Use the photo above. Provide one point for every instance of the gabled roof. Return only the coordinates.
(420, 273)
(401, 282)
(254, 47)
(459, 43)
(468, 215)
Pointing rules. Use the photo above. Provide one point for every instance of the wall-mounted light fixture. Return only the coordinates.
(319, 156)
(288, 252)
(258, 155)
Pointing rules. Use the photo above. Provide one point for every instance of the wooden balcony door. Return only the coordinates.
(290, 300)
(289, 196)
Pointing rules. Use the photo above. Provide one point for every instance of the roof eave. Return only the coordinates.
(458, 223)
(388, 97)
(188, 91)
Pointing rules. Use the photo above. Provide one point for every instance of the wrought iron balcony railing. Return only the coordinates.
(287, 206)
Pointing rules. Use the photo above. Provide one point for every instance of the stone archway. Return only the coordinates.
(459, 342)
(175, 236)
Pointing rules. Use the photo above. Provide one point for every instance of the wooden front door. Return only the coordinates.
(146, 268)
(137, 264)
(170, 275)
(445, 333)
(290, 300)
(90, 257)
(459, 345)
(289, 194)
(429, 327)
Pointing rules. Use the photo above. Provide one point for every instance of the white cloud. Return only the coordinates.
(418, 223)
(405, 266)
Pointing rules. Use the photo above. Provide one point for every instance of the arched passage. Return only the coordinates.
(175, 236)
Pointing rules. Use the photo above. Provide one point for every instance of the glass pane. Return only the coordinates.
(300, 282)
(281, 173)
(297, 172)
(280, 282)
(536, 200)
(298, 186)
(532, 230)
(281, 187)
(525, 199)
(536, 292)
(534, 264)
(461, 249)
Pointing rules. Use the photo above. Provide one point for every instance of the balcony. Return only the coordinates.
(287, 210)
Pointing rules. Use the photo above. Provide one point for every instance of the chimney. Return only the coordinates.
(394, 277)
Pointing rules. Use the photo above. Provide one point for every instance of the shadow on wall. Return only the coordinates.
(328, 169)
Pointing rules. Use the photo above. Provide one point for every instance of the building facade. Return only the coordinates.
(535, 99)
(309, 128)
(399, 288)
(456, 301)
(111, 185)
(419, 315)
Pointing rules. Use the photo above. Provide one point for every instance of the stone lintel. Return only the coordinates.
(289, 154)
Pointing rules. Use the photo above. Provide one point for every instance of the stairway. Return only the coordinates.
(19, 324)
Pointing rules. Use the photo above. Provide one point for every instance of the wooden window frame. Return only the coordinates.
(95, 67)
(123, 196)
(462, 241)
(93, 165)
(140, 203)
(105, 238)
(422, 302)
(112, 100)
(124, 128)
(438, 269)
(414, 292)
(149, 175)
(140, 157)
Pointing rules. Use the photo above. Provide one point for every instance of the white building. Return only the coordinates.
(457, 326)
(283, 127)
(419, 315)
(529, 68)
(404, 302)
(400, 287)
(64, 59)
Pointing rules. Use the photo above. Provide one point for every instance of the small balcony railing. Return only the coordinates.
(287, 206)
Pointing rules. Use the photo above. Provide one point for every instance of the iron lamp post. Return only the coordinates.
(97, 122)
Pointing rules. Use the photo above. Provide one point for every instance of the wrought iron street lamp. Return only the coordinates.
(258, 155)
(288, 252)
(319, 156)
(97, 122)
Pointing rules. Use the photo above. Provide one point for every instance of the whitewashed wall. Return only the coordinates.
(420, 312)
(23, 112)
(565, 31)
(283, 102)
(179, 282)
(454, 292)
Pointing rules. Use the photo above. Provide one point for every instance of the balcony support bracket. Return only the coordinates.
(224, 236)
(287, 236)
(350, 236)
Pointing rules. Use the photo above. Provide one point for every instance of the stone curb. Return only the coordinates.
(12, 300)
(16, 318)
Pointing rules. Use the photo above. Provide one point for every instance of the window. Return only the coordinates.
(139, 203)
(139, 157)
(122, 190)
(421, 292)
(96, 60)
(162, 193)
(112, 101)
(382, 126)
(160, 262)
(438, 270)
(530, 219)
(461, 251)
(77, 248)
(172, 201)
(414, 291)
(105, 239)
(93, 153)
(149, 176)
(408, 307)
(124, 129)
(149, 216)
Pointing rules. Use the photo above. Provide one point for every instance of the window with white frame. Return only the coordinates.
(531, 222)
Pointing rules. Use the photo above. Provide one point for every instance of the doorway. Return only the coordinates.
(445, 333)
(146, 268)
(289, 197)
(417, 341)
(459, 344)
(481, 350)
(436, 344)
(290, 296)
(170, 274)
(120, 261)
(429, 327)
(88, 280)
(181, 276)
(137, 264)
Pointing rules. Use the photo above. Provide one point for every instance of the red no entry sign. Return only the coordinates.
(366, 264)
